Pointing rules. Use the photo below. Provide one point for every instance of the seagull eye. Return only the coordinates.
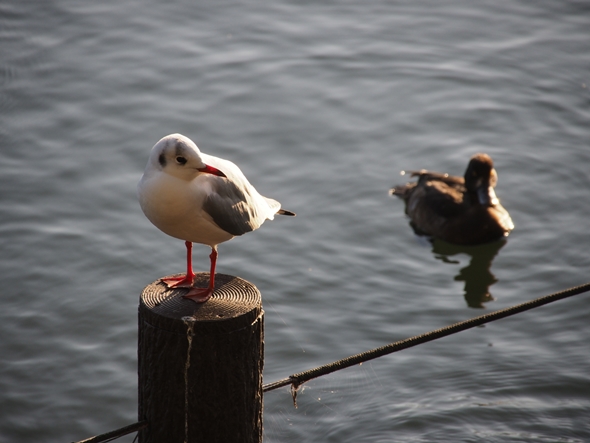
(181, 160)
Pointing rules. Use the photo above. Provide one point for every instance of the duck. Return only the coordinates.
(459, 210)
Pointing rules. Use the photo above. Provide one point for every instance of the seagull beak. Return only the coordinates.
(211, 170)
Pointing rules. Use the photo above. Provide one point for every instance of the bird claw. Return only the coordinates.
(199, 295)
(178, 282)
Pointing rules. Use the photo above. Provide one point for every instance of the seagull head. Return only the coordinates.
(180, 157)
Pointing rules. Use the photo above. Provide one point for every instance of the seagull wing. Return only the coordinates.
(231, 209)
(234, 204)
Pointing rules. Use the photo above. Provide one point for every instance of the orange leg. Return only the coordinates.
(187, 280)
(201, 295)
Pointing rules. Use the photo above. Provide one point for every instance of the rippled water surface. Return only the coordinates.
(321, 104)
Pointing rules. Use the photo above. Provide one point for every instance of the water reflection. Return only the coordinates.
(477, 274)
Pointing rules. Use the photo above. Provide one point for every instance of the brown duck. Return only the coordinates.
(459, 210)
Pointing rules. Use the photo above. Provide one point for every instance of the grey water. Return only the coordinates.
(321, 104)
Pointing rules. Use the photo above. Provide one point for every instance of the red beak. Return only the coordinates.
(211, 170)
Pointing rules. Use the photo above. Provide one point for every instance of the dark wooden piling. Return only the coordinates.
(200, 366)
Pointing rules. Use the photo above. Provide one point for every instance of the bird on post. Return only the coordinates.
(460, 210)
(199, 198)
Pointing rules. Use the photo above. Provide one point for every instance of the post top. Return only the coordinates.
(235, 303)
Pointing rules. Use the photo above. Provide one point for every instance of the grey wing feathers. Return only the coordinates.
(233, 218)
(229, 209)
(239, 210)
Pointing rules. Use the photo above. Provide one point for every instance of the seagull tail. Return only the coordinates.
(285, 212)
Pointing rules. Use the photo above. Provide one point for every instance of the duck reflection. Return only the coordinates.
(464, 216)
(477, 274)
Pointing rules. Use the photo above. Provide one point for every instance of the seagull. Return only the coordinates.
(199, 198)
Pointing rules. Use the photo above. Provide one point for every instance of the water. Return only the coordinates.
(321, 105)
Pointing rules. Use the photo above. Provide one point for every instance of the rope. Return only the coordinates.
(112, 435)
(298, 379)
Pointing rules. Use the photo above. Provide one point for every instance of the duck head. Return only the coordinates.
(480, 179)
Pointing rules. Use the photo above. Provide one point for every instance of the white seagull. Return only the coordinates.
(199, 198)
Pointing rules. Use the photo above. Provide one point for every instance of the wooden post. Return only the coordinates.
(200, 366)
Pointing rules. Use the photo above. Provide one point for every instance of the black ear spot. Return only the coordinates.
(162, 160)
(181, 160)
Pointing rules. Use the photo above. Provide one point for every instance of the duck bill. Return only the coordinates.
(487, 196)
(211, 170)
